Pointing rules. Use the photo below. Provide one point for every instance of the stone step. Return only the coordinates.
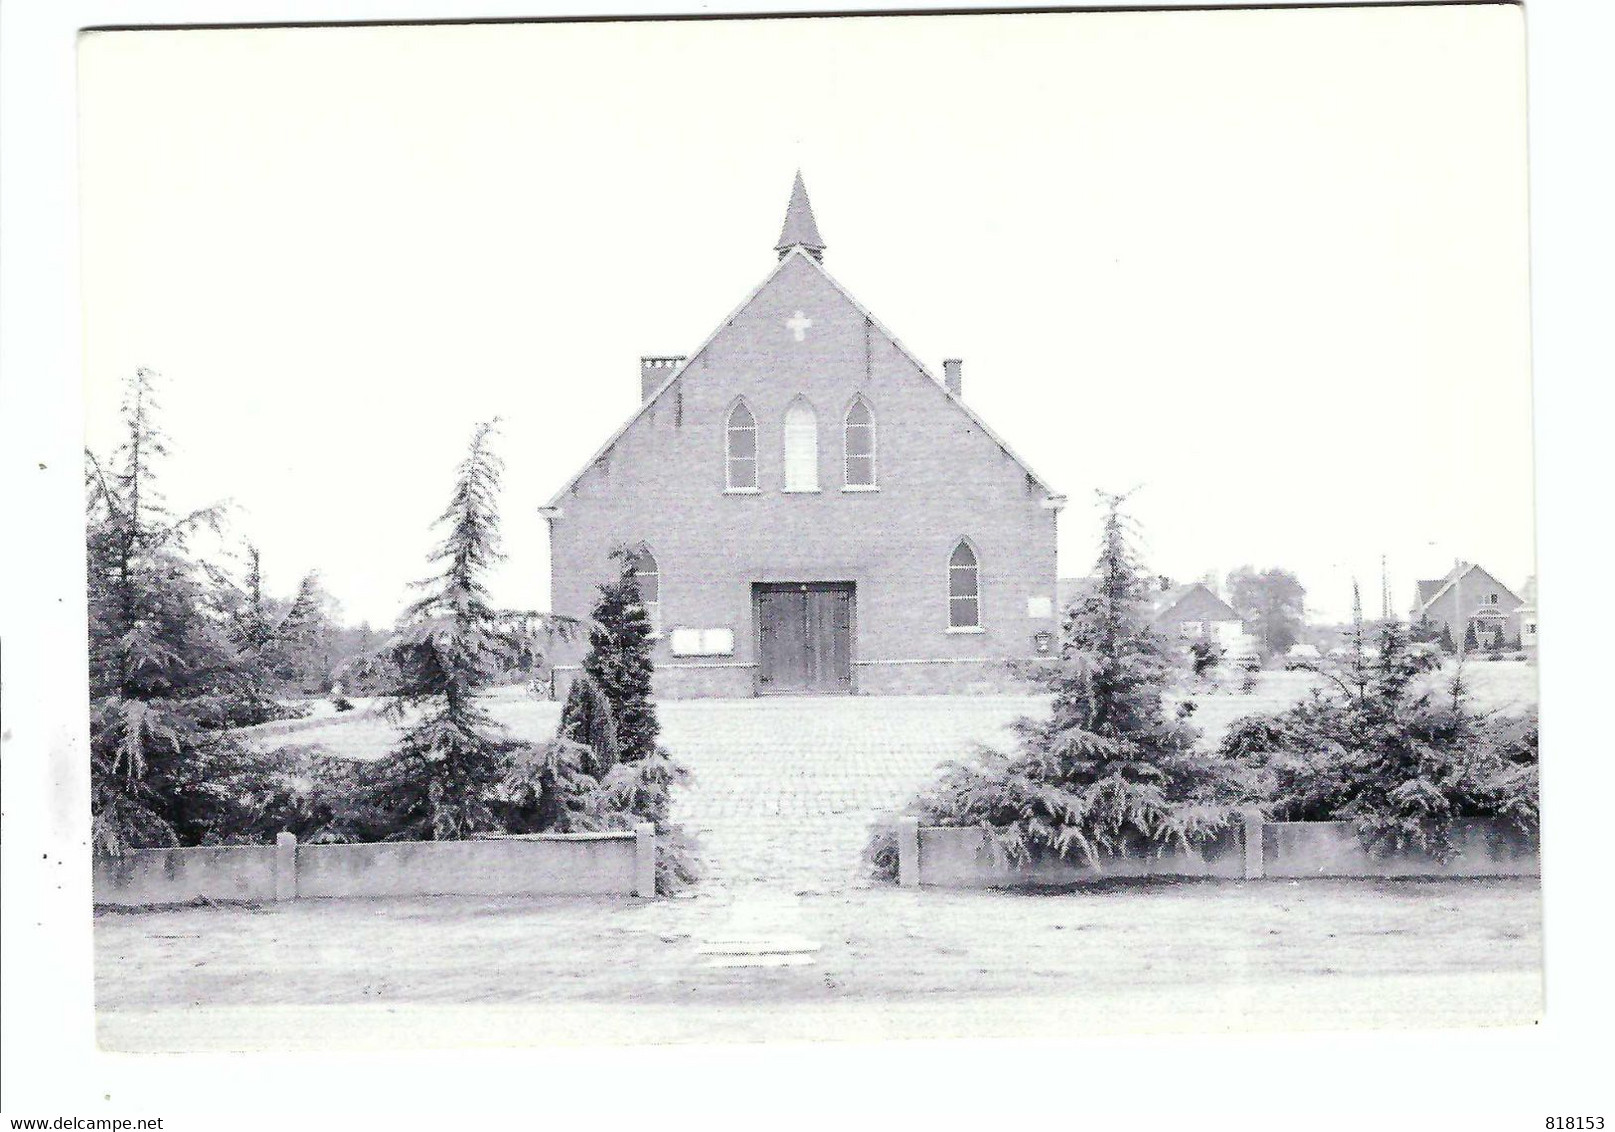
(767, 960)
(776, 945)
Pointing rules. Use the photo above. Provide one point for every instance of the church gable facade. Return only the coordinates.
(814, 512)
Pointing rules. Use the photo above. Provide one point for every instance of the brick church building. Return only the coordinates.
(812, 509)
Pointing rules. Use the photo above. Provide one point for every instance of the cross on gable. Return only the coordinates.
(798, 324)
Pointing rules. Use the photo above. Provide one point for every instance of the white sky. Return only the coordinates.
(1270, 265)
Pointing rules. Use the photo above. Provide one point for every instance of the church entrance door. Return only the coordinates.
(804, 637)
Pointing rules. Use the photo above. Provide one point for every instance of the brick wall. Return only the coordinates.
(940, 477)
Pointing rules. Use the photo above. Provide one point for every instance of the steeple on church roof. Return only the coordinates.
(799, 229)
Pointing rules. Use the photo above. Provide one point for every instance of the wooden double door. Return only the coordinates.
(804, 636)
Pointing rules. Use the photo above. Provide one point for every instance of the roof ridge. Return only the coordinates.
(646, 403)
(924, 369)
(807, 256)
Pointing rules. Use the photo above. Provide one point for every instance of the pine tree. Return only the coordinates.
(267, 636)
(438, 783)
(640, 787)
(1446, 641)
(1112, 771)
(1471, 642)
(619, 659)
(1379, 747)
(160, 670)
(586, 719)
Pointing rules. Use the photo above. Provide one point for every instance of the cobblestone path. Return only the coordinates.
(785, 789)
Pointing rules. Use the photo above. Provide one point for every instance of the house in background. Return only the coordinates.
(1468, 596)
(1527, 614)
(1195, 613)
(1182, 613)
(812, 509)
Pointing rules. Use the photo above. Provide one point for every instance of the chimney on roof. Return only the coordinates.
(953, 375)
(653, 372)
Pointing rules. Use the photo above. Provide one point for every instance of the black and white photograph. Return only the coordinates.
(867, 530)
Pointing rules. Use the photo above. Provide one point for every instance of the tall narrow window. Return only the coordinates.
(648, 578)
(964, 588)
(858, 435)
(801, 447)
(740, 450)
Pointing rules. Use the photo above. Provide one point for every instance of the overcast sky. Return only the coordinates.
(1269, 267)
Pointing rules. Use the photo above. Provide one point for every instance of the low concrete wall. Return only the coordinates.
(959, 858)
(1332, 849)
(178, 876)
(572, 864)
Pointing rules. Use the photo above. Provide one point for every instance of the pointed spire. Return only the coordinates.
(799, 229)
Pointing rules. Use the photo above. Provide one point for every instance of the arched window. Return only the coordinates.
(648, 577)
(964, 588)
(858, 444)
(740, 450)
(801, 447)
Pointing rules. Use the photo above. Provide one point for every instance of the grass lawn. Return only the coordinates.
(364, 735)
(889, 962)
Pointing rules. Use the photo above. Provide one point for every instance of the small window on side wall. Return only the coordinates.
(740, 450)
(964, 588)
(858, 434)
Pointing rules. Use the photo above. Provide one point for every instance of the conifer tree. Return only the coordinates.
(1379, 747)
(1424, 631)
(586, 719)
(160, 670)
(440, 781)
(619, 659)
(1446, 641)
(1112, 771)
(1471, 642)
(266, 635)
(640, 787)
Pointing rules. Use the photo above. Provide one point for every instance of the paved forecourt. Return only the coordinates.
(785, 788)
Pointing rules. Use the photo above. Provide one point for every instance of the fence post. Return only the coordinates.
(908, 852)
(286, 866)
(645, 860)
(1254, 862)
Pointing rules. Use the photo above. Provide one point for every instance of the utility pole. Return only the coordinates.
(1458, 604)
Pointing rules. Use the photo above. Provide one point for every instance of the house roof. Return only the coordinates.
(1455, 575)
(1163, 601)
(806, 256)
(799, 229)
(1194, 600)
(1191, 602)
